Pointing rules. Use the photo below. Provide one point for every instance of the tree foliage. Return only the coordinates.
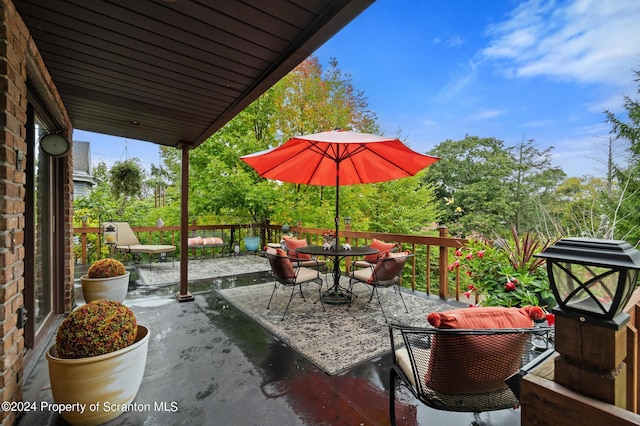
(484, 187)
(223, 188)
(625, 214)
(480, 186)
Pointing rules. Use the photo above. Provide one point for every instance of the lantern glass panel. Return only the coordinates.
(586, 288)
(110, 234)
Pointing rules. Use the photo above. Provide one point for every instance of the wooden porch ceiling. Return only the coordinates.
(172, 72)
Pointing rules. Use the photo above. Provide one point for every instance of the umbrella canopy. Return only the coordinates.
(338, 158)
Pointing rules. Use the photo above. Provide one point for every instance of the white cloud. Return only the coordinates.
(455, 41)
(459, 81)
(428, 122)
(538, 123)
(486, 114)
(584, 41)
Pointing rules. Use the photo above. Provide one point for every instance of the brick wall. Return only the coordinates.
(19, 56)
(12, 191)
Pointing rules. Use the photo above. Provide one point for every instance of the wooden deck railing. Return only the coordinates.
(429, 268)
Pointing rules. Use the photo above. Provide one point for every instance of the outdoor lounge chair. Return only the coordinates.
(463, 370)
(128, 243)
(384, 273)
(285, 274)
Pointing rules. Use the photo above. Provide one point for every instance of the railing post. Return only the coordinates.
(83, 243)
(443, 263)
(347, 265)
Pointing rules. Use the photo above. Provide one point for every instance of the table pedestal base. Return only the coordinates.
(339, 296)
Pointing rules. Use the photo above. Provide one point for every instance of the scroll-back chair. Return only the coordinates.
(289, 276)
(461, 369)
(387, 272)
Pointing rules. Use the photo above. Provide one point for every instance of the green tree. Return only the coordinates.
(533, 180)
(471, 185)
(484, 187)
(308, 100)
(627, 215)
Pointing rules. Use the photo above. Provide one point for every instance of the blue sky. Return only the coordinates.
(514, 70)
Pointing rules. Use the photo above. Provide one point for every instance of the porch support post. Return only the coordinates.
(184, 295)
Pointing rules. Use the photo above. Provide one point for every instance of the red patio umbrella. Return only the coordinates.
(338, 158)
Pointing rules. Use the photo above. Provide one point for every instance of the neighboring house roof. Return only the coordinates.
(82, 157)
(82, 163)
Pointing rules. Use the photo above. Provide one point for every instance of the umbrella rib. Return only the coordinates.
(398, 166)
(313, 145)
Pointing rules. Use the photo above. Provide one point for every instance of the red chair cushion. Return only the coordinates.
(195, 241)
(281, 265)
(458, 364)
(292, 245)
(486, 317)
(382, 248)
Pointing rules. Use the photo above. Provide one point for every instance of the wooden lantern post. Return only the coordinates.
(592, 281)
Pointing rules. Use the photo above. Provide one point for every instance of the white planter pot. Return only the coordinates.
(104, 383)
(105, 288)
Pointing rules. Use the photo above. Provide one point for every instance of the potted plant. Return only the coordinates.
(106, 279)
(97, 361)
(505, 273)
(251, 242)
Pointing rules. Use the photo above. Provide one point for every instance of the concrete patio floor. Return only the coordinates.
(212, 365)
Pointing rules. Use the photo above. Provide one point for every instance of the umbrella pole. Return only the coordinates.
(337, 218)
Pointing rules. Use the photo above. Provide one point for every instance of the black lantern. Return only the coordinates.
(110, 234)
(592, 277)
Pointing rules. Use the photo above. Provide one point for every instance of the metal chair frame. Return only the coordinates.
(493, 382)
(382, 277)
(303, 275)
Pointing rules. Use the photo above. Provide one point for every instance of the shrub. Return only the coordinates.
(505, 273)
(97, 328)
(106, 268)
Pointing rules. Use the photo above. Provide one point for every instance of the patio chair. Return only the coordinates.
(463, 370)
(386, 272)
(382, 247)
(285, 274)
(128, 243)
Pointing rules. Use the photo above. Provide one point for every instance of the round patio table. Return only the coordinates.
(336, 295)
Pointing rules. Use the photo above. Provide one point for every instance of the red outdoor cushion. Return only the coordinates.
(382, 248)
(195, 241)
(455, 364)
(281, 265)
(486, 317)
(212, 240)
(292, 245)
